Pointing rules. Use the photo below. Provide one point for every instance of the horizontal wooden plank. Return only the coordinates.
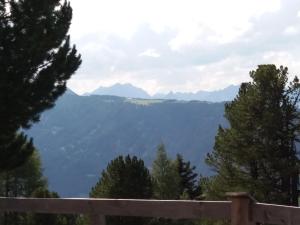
(276, 214)
(176, 209)
(97, 219)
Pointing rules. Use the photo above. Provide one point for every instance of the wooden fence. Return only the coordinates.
(241, 209)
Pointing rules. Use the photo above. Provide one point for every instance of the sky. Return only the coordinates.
(181, 45)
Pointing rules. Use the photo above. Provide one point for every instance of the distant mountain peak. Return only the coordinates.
(123, 90)
(221, 95)
(70, 92)
(130, 91)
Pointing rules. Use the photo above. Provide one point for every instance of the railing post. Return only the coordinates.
(97, 219)
(240, 208)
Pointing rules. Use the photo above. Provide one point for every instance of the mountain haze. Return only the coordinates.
(226, 94)
(121, 90)
(130, 91)
(81, 134)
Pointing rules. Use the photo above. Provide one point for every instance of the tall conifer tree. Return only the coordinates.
(166, 179)
(36, 60)
(257, 152)
(188, 185)
(124, 177)
(21, 182)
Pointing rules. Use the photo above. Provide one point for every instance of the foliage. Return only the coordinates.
(21, 182)
(36, 60)
(189, 187)
(24, 180)
(124, 178)
(212, 188)
(28, 181)
(166, 179)
(257, 153)
(175, 180)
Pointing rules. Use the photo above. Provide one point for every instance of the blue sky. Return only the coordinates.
(181, 45)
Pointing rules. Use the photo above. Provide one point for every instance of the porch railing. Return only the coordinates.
(240, 209)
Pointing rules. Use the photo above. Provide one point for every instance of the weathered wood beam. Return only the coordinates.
(96, 219)
(241, 208)
(176, 209)
(276, 214)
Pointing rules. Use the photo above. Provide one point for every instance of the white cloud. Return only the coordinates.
(291, 30)
(150, 53)
(284, 58)
(226, 19)
(200, 67)
(181, 45)
(112, 69)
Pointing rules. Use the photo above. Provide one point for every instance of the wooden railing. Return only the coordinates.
(241, 209)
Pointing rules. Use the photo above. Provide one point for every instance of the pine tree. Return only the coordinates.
(24, 180)
(21, 182)
(257, 153)
(36, 60)
(124, 178)
(28, 181)
(189, 187)
(166, 179)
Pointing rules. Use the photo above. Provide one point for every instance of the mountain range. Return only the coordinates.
(121, 90)
(81, 134)
(130, 91)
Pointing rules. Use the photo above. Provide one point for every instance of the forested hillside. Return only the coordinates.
(81, 134)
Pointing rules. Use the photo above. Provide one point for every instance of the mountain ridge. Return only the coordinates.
(81, 134)
(222, 95)
(128, 90)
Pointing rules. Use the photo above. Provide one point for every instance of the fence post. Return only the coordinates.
(240, 208)
(97, 219)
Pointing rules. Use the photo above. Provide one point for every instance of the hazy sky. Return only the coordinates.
(181, 45)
